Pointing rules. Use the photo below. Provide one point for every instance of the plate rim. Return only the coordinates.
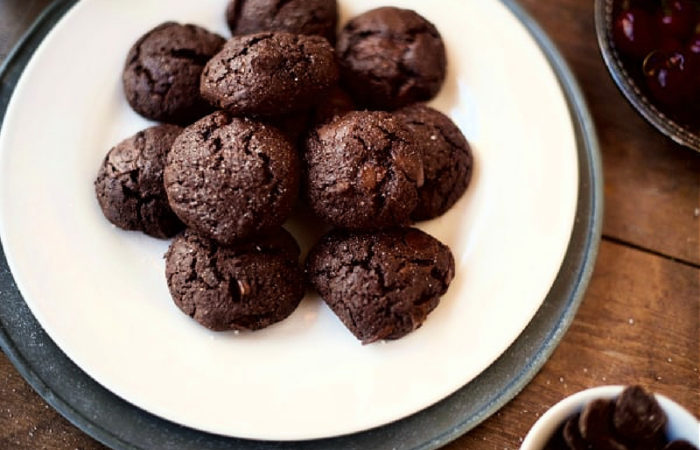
(625, 83)
(27, 354)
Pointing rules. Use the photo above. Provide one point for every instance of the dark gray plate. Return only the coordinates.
(678, 132)
(120, 425)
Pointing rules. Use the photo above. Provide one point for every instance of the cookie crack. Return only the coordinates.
(381, 157)
(446, 136)
(252, 42)
(161, 90)
(247, 47)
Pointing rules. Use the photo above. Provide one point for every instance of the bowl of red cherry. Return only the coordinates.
(652, 49)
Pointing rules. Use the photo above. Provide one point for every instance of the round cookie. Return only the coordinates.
(391, 57)
(270, 74)
(362, 171)
(245, 287)
(310, 17)
(230, 178)
(447, 159)
(382, 285)
(129, 184)
(162, 72)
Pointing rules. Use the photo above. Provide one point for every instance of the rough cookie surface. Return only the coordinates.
(240, 287)
(391, 57)
(382, 285)
(270, 74)
(310, 17)
(231, 178)
(162, 72)
(362, 171)
(447, 159)
(129, 184)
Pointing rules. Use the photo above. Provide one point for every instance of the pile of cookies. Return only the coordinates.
(276, 119)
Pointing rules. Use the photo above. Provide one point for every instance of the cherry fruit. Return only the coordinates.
(669, 77)
(634, 33)
(678, 19)
(694, 44)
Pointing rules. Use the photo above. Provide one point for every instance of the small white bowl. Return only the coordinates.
(681, 423)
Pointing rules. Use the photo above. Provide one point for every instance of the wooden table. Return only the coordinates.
(640, 320)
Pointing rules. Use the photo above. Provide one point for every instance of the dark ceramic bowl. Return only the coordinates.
(680, 132)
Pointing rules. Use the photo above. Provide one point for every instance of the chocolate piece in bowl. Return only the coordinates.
(162, 72)
(129, 184)
(230, 178)
(572, 435)
(362, 171)
(382, 285)
(447, 159)
(596, 420)
(632, 421)
(638, 415)
(391, 57)
(270, 74)
(247, 286)
(311, 17)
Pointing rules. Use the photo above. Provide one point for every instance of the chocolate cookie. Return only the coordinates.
(362, 171)
(162, 72)
(270, 74)
(382, 285)
(391, 57)
(447, 159)
(244, 287)
(230, 178)
(311, 17)
(129, 184)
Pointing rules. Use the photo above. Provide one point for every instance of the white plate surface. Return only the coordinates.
(101, 294)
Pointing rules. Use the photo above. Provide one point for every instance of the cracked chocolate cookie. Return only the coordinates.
(162, 72)
(129, 184)
(230, 178)
(382, 285)
(362, 171)
(310, 17)
(391, 57)
(270, 74)
(240, 287)
(447, 159)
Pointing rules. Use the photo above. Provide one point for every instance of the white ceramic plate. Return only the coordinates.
(101, 295)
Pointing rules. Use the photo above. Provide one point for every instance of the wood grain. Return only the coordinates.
(638, 325)
(639, 322)
(652, 186)
(15, 18)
